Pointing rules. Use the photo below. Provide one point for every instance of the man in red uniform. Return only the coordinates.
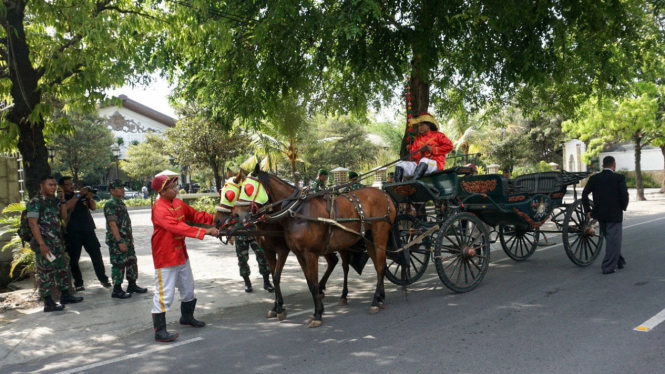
(169, 254)
(433, 157)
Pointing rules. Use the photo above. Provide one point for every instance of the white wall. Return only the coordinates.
(145, 123)
(651, 159)
(572, 151)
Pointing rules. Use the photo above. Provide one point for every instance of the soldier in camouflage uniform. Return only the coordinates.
(319, 184)
(44, 213)
(353, 178)
(121, 243)
(242, 251)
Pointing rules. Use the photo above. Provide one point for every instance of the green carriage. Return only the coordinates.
(447, 217)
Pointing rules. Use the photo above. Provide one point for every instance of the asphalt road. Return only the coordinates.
(544, 315)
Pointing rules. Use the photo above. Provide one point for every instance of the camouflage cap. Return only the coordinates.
(116, 183)
(353, 174)
(323, 172)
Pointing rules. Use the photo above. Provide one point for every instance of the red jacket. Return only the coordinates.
(440, 144)
(168, 239)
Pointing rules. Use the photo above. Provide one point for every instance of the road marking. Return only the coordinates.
(129, 357)
(652, 322)
(642, 223)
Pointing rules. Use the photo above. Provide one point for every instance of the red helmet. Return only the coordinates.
(161, 182)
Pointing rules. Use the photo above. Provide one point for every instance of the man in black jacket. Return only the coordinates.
(80, 232)
(610, 199)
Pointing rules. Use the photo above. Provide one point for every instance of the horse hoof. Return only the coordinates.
(314, 324)
(281, 316)
(272, 314)
(381, 306)
(343, 302)
(373, 310)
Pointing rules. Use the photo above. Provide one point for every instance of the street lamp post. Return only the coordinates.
(116, 154)
(51, 153)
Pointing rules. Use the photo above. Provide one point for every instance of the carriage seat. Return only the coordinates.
(441, 172)
(539, 183)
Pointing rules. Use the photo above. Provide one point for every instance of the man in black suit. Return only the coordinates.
(610, 199)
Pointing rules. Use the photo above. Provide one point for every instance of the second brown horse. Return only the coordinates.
(309, 239)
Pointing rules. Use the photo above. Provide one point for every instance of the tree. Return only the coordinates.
(357, 54)
(635, 117)
(144, 160)
(202, 144)
(87, 148)
(339, 141)
(68, 50)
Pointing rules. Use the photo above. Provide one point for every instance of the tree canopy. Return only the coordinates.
(200, 143)
(70, 50)
(86, 150)
(635, 117)
(144, 160)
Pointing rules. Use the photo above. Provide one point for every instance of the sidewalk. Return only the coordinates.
(29, 333)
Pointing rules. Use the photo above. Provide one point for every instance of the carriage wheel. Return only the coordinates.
(582, 238)
(519, 243)
(462, 252)
(558, 216)
(419, 254)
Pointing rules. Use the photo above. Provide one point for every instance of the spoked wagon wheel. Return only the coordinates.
(462, 252)
(558, 216)
(419, 254)
(519, 243)
(582, 238)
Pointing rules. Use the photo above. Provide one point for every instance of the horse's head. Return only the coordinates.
(259, 189)
(228, 196)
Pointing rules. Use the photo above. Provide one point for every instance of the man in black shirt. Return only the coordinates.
(80, 232)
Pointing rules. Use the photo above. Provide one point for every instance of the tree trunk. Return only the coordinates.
(292, 161)
(217, 174)
(25, 96)
(638, 169)
(419, 104)
(662, 182)
(76, 177)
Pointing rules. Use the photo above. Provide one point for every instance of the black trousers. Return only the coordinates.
(613, 232)
(87, 239)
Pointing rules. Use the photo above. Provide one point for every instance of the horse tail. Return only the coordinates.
(402, 258)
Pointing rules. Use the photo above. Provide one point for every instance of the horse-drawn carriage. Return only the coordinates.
(456, 235)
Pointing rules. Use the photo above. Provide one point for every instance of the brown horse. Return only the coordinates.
(277, 251)
(308, 238)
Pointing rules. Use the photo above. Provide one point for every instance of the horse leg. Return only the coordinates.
(271, 257)
(381, 238)
(345, 267)
(311, 270)
(332, 260)
(276, 278)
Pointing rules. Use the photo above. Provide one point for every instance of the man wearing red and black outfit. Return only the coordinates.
(169, 253)
(433, 157)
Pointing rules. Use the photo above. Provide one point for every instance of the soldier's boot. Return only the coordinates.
(187, 318)
(161, 335)
(118, 293)
(399, 173)
(266, 283)
(51, 306)
(248, 283)
(133, 288)
(420, 171)
(66, 298)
